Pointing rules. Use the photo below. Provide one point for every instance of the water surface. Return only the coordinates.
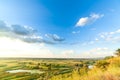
(29, 71)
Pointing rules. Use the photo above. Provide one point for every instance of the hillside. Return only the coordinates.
(107, 69)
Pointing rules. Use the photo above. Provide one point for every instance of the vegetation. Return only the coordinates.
(117, 52)
(61, 69)
(102, 64)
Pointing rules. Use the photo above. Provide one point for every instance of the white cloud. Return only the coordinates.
(89, 42)
(17, 48)
(93, 53)
(113, 36)
(67, 53)
(96, 16)
(96, 39)
(54, 37)
(97, 52)
(26, 34)
(83, 21)
(88, 20)
(109, 37)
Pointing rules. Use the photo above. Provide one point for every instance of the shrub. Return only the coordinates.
(102, 64)
(117, 52)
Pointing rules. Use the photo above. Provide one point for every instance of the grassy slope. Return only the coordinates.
(111, 73)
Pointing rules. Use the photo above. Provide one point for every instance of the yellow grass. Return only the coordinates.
(112, 73)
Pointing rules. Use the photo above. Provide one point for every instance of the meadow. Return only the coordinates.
(59, 69)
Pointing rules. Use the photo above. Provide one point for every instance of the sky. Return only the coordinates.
(59, 28)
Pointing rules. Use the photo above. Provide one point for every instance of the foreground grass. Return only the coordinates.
(111, 72)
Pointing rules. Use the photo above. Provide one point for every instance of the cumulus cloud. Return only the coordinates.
(27, 34)
(83, 21)
(54, 37)
(88, 20)
(32, 39)
(24, 33)
(22, 30)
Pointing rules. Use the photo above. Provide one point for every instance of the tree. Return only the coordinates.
(117, 52)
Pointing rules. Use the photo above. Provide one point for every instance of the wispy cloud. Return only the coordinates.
(54, 37)
(68, 54)
(97, 52)
(27, 34)
(75, 32)
(91, 42)
(88, 20)
(92, 53)
(113, 36)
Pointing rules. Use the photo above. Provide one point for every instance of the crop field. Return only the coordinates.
(59, 69)
(38, 69)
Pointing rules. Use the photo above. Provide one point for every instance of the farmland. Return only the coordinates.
(48, 68)
(59, 69)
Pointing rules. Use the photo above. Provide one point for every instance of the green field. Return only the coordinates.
(48, 68)
(59, 69)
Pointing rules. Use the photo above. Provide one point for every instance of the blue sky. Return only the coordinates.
(59, 28)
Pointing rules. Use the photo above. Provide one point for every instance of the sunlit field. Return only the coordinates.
(59, 69)
(49, 68)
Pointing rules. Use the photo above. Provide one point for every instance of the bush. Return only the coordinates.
(117, 52)
(102, 64)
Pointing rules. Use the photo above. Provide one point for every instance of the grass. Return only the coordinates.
(112, 72)
(106, 69)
